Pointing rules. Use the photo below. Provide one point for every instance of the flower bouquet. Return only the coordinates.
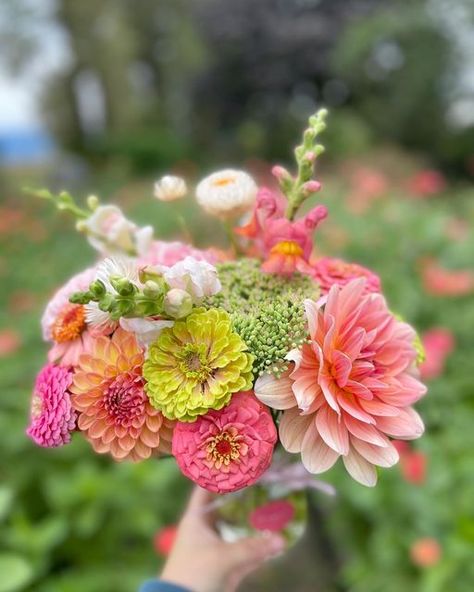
(227, 359)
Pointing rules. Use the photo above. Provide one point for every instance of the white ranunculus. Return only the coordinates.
(110, 232)
(170, 188)
(227, 194)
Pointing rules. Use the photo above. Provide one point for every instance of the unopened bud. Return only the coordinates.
(310, 156)
(280, 173)
(177, 303)
(97, 289)
(123, 286)
(151, 289)
(311, 187)
(92, 202)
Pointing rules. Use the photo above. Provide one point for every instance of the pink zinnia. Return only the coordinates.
(52, 416)
(329, 271)
(227, 450)
(440, 281)
(352, 385)
(64, 323)
(427, 182)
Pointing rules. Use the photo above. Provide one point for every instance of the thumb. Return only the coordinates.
(254, 550)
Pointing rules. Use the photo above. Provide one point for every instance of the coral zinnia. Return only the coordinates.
(108, 392)
(353, 385)
(329, 270)
(227, 450)
(196, 365)
(52, 416)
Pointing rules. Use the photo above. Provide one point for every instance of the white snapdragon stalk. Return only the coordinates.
(170, 188)
(227, 194)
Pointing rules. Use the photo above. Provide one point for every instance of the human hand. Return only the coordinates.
(201, 561)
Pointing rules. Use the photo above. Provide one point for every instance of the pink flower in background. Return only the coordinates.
(169, 253)
(10, 342)
(329, 270)
(413, 463)
(64, 323)
(286, 245)
(425, 552)
(440, 281)
(352, 385)
(368, 185)
(52, 416)
(438, 344)
(427, 182)
(227, 450)
(164, 540)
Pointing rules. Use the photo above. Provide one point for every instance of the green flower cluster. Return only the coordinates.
(266, 311)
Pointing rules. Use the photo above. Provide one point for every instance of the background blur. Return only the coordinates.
(107, 95)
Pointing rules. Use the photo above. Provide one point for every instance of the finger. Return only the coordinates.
(198, 501)
(254, 550)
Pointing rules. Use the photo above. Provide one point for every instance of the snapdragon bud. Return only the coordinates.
(311, 187)
(123, 286)
(97, 289)
(151, 289)
(177, 303)
(92, 202)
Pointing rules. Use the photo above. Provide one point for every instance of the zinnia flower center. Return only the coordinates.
(194, 363)
(124, 399)
(223, 448)
(287, 248)
(69, 324)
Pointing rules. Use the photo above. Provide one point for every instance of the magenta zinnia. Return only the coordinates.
(227, 450)
(52, 416)
(352, 386)
(114, 411)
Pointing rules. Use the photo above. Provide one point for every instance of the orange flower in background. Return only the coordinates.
(425, 552)
(440, 281)
(114, 411)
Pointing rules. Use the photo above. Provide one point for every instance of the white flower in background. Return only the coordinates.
(146, 330)
(177, 303)
(227, 194)
(110, 232)
(198, 278)
(170, 188)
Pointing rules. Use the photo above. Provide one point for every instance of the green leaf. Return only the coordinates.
(15, 572)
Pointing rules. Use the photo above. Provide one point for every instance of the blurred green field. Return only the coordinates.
(71, 521)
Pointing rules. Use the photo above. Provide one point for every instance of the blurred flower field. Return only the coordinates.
(71, 521)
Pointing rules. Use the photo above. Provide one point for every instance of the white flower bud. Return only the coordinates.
(177, 303)
(170, 188)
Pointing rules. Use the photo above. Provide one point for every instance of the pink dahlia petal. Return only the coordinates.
(52, 416)
(316, 455)
(227, 450)
(275, 392)
(360, 469)
(383, 456)
(292, 429)
(332, 430)
(407, 425)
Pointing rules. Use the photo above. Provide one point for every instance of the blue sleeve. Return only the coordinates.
(159, 586)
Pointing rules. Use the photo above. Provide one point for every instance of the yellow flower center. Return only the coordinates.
(194, 363)
(70, 323)
(223, 181)
(291, 248)
(223, 448)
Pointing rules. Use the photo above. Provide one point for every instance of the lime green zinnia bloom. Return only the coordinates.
(196, 365)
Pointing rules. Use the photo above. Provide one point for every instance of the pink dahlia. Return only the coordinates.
(64, 323)
(226, 450)
(52, 416)
(108, 394)
(352, 385)
(328, 271)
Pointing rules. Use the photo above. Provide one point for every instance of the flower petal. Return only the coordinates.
(316, 455)
(360, 469)
(275, 392)
(293, 428)
(332, 430)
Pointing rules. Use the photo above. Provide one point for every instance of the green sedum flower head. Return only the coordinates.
(197, 365)
(266, 309)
